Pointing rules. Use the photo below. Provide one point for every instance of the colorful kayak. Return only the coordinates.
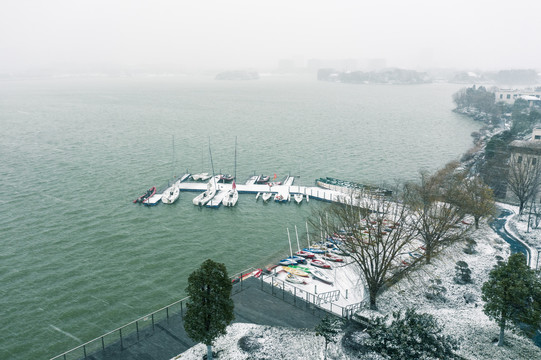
(303, 268)
(294, 271)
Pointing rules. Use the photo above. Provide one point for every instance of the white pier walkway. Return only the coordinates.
(250, 186)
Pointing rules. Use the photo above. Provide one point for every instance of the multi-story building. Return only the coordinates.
(509, 96)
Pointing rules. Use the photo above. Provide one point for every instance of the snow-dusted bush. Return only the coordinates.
(462, 272)
(410, 336)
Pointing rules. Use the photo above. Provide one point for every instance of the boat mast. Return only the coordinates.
(235, 174)
(297, 235)
(212, 164)
(307, 235)
(289, 238)
(173, 156)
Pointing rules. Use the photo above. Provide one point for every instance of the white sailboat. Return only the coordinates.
(266, 196)
(298, 198)
(171, 194)
(207, 195)
(232, 195)
(212, 188)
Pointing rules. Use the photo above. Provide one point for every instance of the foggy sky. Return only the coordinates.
(212, 34)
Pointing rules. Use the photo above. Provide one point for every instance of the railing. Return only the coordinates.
(126, 335)
(322, 303)
(129, 334)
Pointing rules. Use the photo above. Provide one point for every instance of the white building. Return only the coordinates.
(509, 96)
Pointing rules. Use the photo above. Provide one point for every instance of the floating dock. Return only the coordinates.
(286, 190)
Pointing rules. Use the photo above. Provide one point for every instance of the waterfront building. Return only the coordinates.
(525, 155)
(508, 96)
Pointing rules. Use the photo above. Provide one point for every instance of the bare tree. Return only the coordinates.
(376, 232)
(477, 199)
(436, 203)
(523, 178)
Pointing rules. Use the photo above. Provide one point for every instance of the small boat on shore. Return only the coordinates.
(320, 263)
(317, 274)
(141, 199)
(294, 279)
(305, 254)
(314, 250)
(295, 270)
(332, 257)
(302, 268)
(287, 262)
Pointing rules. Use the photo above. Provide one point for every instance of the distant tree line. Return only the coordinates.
(388, 76)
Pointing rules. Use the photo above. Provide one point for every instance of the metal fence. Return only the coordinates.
(320, 304)
(117, 340)
(126, 335)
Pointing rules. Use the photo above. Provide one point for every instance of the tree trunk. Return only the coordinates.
(209, 352)
(373, 299)
(476, 222)
(502, 328)
(428, 254)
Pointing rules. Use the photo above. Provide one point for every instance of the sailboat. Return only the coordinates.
(232, 195)
(298, 198)
(292, 260)
(207, 195)
(212, 188)
(204, 176)
(303, 253)
(171, 194)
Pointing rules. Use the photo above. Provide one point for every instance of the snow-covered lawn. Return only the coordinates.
(463, 320)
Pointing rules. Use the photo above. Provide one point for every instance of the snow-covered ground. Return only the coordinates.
(464, 320)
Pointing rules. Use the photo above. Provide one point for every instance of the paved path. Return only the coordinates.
(253, 304)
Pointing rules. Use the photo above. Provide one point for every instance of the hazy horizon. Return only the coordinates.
(241, 34)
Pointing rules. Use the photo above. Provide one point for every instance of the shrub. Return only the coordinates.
(436, 291)
(463, 273)
(410, 336)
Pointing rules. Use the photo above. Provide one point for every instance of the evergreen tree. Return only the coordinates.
(462, 272)
(513, 295)
(410, 336)
(329, 328)
(210, 308)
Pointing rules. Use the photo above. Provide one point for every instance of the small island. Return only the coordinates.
(237, 75)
